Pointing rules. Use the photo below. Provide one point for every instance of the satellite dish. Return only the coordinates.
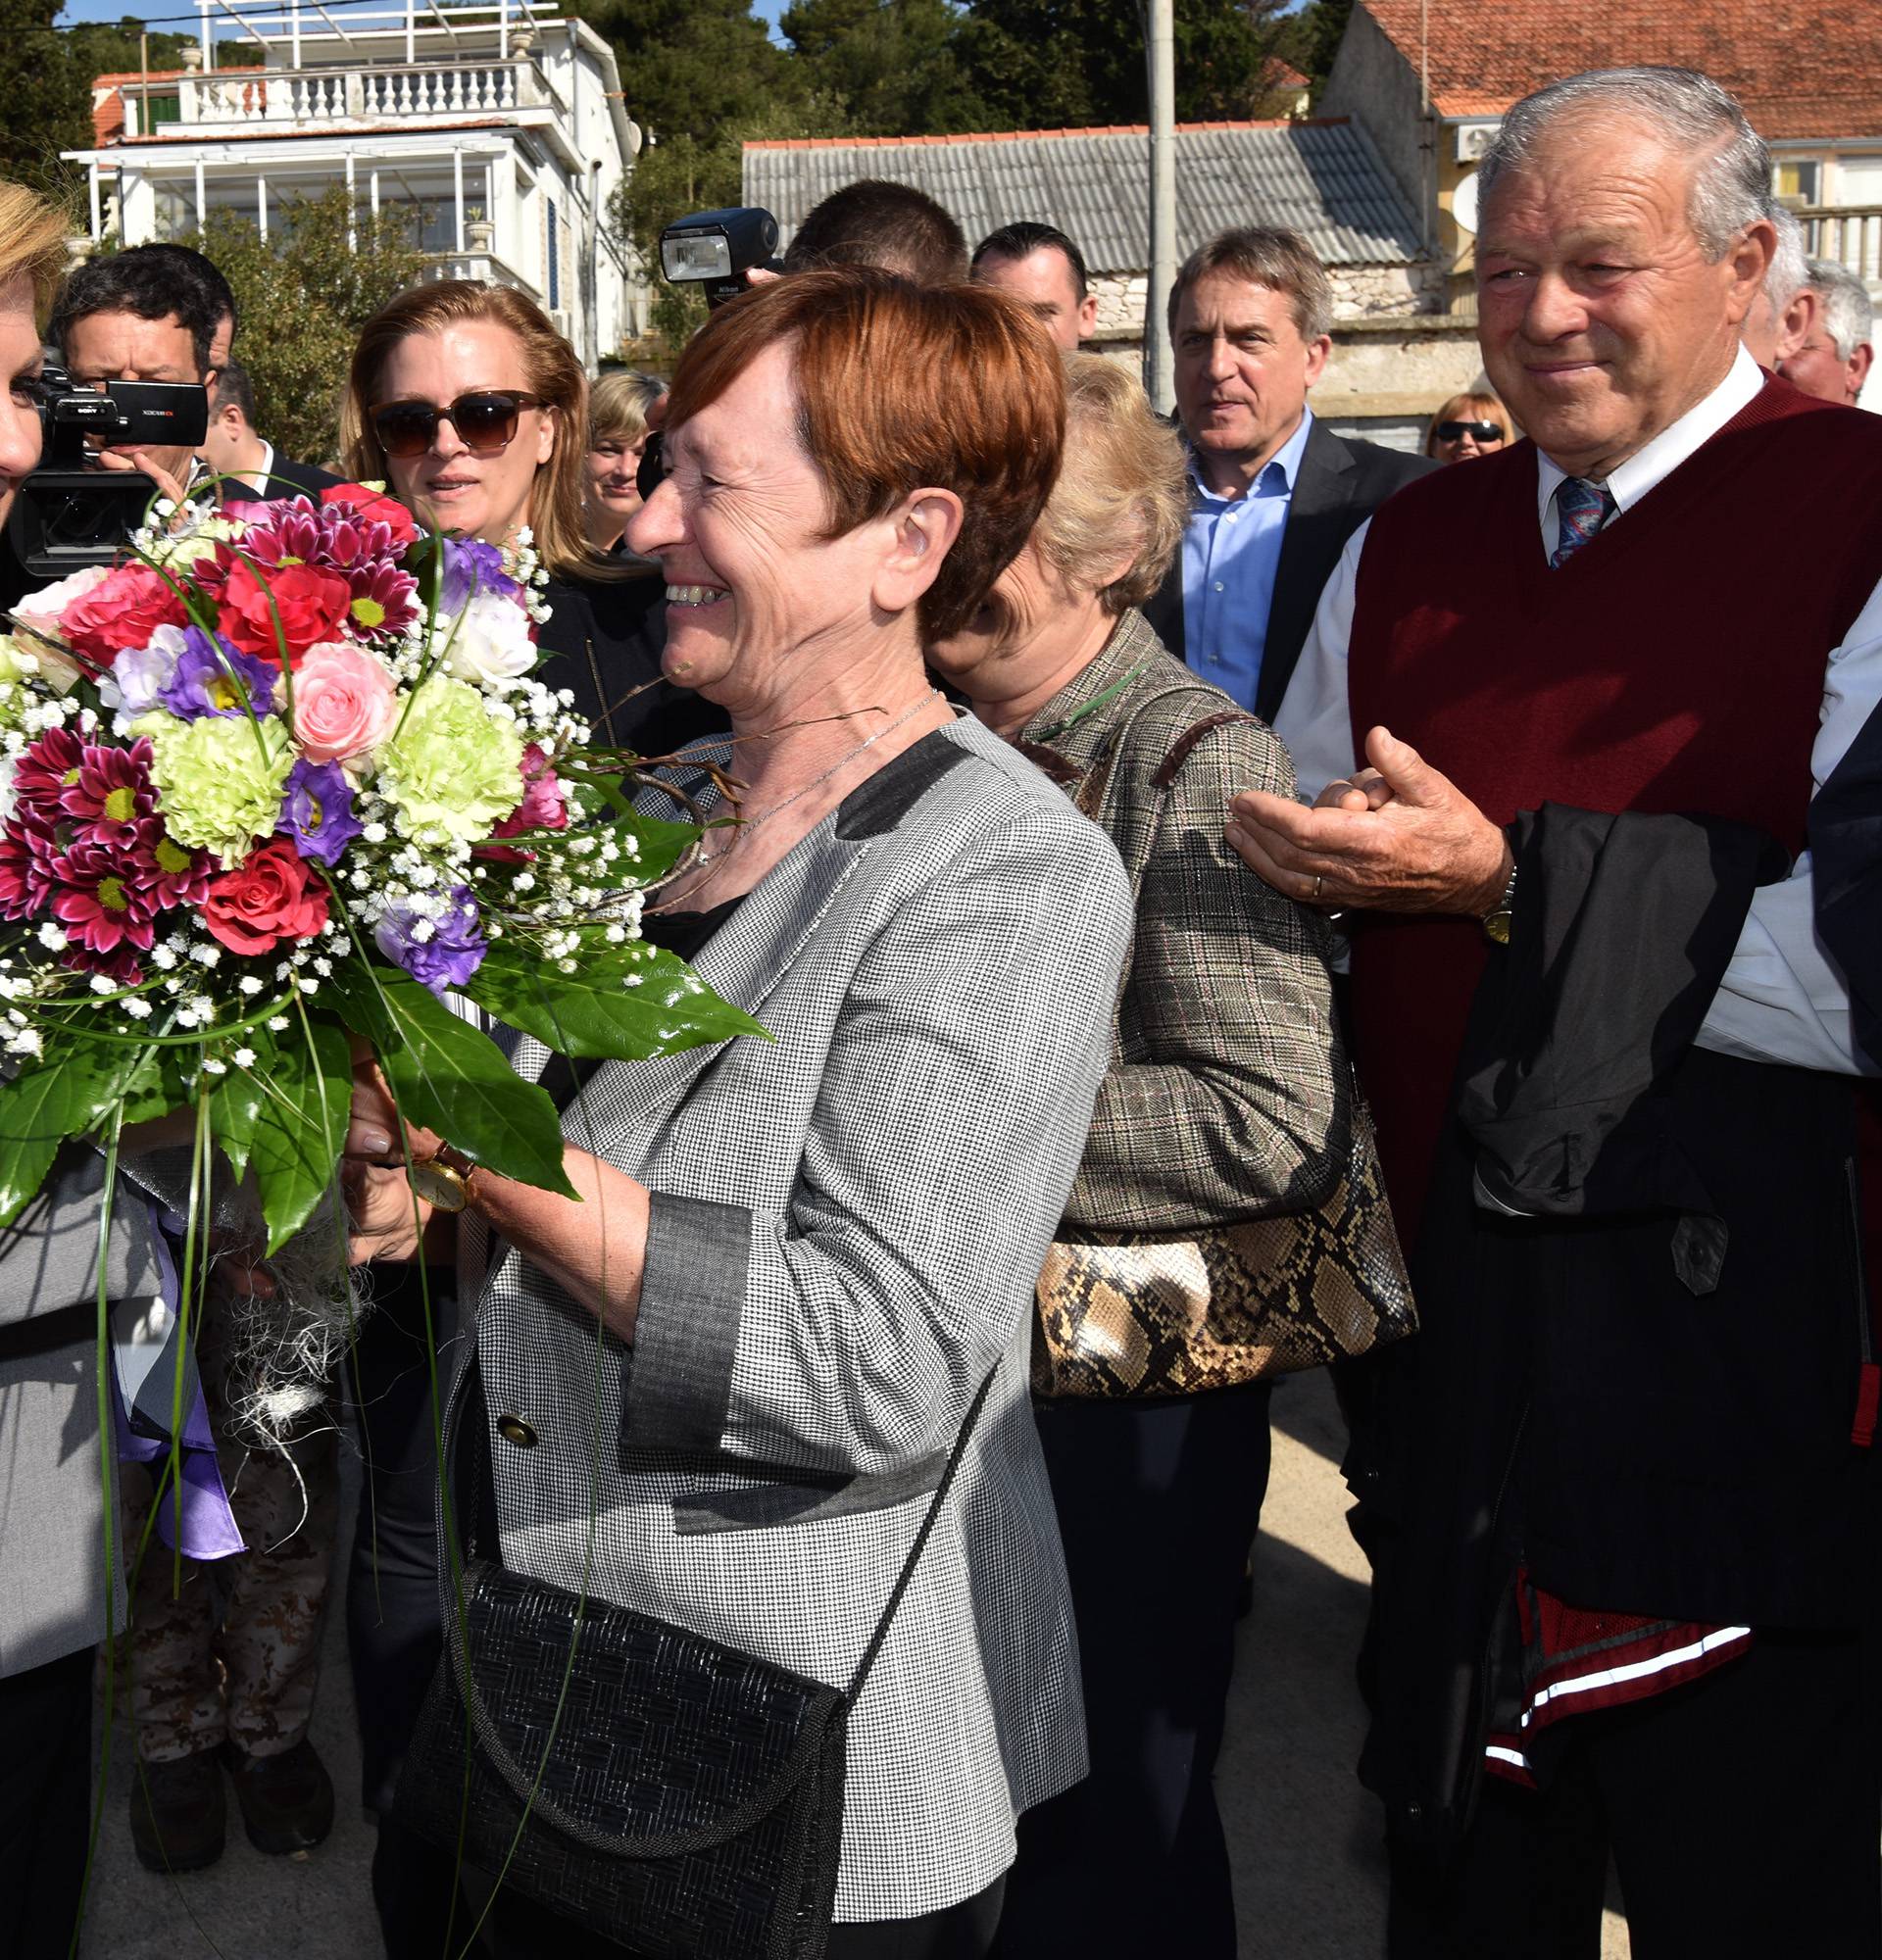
(1463, 204)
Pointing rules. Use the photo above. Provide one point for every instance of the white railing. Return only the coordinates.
(476, 264)
(1849, 234)
(320, 98)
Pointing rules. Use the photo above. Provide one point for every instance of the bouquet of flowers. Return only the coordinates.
(269, 787)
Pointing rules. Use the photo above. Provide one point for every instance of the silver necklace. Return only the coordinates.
(707, 859)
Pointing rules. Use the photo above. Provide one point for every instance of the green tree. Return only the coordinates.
(684, 175)
(894, 67)
(107, 47)
(1042, 63)
(301, 297)
(46, 93)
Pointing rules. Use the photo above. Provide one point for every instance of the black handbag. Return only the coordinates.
(669, 1794)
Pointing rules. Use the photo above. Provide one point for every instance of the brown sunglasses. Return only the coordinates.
(485, 421)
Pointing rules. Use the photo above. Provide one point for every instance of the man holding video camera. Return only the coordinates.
(140, 316)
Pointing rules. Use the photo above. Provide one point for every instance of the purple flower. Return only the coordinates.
(472, 566)
(201, 684)
(445, 956)
(317, 810)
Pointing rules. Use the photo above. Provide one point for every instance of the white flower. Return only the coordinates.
(51, 937)
(491, 646)
(244, 1058)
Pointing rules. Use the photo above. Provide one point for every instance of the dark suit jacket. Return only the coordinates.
(286, 478)
(1340, 484)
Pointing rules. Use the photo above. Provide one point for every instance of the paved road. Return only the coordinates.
(1310, 1879)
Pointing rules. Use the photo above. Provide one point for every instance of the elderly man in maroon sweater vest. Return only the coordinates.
(1624, 1494)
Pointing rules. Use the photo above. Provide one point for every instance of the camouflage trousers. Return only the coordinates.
(233, 1650)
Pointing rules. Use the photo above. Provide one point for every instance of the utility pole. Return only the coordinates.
(1159, 53)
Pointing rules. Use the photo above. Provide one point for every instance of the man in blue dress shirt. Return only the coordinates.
(1276, 495)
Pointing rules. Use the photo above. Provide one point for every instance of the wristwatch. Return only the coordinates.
(443, 1179)
(1498, 920)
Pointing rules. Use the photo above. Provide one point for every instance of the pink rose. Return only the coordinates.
(343, 703)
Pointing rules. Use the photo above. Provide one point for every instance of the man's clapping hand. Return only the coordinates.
(1396, 837)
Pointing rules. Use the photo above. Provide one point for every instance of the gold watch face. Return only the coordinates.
(1497, 925)
(440, 1185)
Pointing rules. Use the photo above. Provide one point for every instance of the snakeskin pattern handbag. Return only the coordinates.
(1147, 1313)
(665, 1791)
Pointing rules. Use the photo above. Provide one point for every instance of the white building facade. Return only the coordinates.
(498, 131)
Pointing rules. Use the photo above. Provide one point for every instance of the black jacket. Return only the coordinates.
(607, 636)
(1340, 484)
(288, 478)
(1645, 1385)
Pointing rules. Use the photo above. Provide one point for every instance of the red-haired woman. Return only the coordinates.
(808, 1253)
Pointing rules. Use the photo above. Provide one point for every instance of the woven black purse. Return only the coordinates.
(672, 1795)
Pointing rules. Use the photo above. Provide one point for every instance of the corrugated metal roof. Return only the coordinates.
(1325, 179)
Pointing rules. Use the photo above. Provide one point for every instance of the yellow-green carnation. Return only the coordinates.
(448, 762)
(220, 779)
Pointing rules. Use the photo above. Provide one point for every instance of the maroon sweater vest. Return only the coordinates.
(1676, 664)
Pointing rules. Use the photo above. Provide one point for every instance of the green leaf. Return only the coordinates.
(356, 987)
(590, 1013)
(156, 1086)
(67, 1096)
(300, 1126)
(239, 1098)
(449, 1077)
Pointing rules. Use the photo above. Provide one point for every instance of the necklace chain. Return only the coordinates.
(705, 859)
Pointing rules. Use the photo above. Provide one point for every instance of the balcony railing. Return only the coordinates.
(1849, 234)
(323, 98)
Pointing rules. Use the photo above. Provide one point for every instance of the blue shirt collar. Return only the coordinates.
(1286, 459)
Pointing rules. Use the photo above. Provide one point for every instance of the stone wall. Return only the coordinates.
(1385, 369)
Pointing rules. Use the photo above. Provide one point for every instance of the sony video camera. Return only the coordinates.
(71, 512)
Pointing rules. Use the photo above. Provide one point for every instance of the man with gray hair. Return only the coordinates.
(1622, 1490)
(1832, 360)
(1276, 494)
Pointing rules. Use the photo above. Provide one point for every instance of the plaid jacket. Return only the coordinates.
(1226, 1098)
(845, 1227)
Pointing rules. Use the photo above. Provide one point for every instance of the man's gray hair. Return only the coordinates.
(1848, 313)
(1786, 276)
(1732, 185)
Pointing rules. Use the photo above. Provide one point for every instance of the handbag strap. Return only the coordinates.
(922, 1536)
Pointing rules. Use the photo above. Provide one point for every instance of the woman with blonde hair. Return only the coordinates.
(468, 403)
(618, 405)
(1225, 1100)
(1469, 425)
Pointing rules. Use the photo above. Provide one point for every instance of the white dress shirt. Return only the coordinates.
(1781, 998)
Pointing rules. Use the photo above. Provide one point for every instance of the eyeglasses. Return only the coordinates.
(1457, 432)
(485, 421)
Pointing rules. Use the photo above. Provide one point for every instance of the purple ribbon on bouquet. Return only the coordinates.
(209, 1529)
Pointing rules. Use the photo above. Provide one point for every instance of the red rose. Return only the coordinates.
(312, 603)
(271, 897)
(123, 609)
(374, 506)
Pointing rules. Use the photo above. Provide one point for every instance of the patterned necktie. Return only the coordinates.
(1582, 508)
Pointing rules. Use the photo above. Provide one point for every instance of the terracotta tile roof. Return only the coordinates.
(1800, 69)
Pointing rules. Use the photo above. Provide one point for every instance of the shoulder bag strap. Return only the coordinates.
(941, 1489)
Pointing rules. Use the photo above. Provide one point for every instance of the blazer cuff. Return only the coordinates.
(692, 1291)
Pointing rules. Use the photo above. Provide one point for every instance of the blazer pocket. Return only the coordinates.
(774, 1503)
